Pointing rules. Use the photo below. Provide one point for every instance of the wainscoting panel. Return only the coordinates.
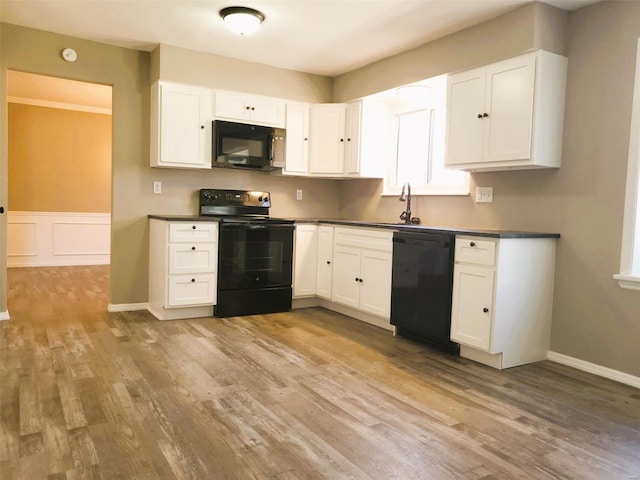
(37, 239)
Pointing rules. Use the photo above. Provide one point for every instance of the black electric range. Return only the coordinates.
(255, 253)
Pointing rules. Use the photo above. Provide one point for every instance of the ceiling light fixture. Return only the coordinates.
(242, 20)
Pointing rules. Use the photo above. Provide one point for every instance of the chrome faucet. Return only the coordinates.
(406, 215)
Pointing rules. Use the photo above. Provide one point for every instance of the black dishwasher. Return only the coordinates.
(422, 284)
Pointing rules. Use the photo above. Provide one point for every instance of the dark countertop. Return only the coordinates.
(393, 226)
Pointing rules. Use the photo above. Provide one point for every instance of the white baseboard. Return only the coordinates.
(127, 307)
(4, 315)
(599, 370)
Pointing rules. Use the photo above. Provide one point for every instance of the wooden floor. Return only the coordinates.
(301, 395)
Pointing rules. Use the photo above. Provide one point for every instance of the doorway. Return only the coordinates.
(59, 171)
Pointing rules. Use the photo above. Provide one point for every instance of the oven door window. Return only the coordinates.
(255, 257)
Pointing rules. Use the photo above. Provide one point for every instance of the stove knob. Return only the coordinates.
(260, 199)
(266, 199)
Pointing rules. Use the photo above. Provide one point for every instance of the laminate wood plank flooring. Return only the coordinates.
(307, 394)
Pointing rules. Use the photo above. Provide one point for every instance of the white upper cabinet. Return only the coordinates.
(247, 108)
(353, 123)
(349, 140)
(297, 144)
(507, 115)
(326, 139)
(180, 126)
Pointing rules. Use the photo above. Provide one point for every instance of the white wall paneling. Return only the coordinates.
(37, 239)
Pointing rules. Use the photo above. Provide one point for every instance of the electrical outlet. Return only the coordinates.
(157, 187)
(484, 194)
(298, 194)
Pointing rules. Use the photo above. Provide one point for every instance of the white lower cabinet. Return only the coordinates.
(324, 270)
(502, 299)
(183, 260)
(305, 261)
(362, 269)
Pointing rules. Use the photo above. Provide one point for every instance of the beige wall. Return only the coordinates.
(214, 71)
(128, 72)
(536, 25)
(59, 160)
(593, 319)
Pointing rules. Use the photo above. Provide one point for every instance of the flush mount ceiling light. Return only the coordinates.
(242, 20)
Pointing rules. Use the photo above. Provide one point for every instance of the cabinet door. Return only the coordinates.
(465, 101)
(346, 275)
(184, 127)
(510, 87)
(472, 308)
(267, 111)
(375, 288)
(242, 107)
(306, 260)
(325, 262)
(326, 139)
(353, 124)
(297, 145)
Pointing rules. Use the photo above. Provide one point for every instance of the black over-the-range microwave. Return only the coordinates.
(241, 145)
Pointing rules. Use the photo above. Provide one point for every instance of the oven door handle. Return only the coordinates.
(247, 226)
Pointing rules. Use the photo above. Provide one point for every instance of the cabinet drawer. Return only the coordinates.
(475, 250)
(193, 232)
(191, 290)
(373, 239)
(192, 258)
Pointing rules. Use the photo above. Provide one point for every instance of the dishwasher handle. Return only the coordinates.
(422, 241)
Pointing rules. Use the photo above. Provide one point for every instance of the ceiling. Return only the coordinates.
(326, 37)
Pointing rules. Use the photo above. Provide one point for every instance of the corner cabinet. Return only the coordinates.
(326, 139)
(324, 269)
(180, 126)
(297, 144)
(183, 261)
(305, 260)
(502, 299)
(349, 140)
(507, 115)
(362, 269)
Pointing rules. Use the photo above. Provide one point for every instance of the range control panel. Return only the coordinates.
(234, 202)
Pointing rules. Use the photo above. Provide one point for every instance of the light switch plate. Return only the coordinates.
(484, 194)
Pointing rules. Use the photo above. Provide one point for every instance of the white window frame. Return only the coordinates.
(629, 276)
(437, 112)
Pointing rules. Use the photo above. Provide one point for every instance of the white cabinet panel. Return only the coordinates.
(305, 261)
(196, 258)
(472, 306)
(297, 145)
(326, 139)
(247, 108)
(190, 290)
(180, 126)
(325, 262)
(346, 275)
(375, 291)
(193, 232)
